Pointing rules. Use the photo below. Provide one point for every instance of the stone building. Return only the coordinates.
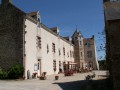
(85, 51)
(79, 49)
(112, 28)
(90, 53)
(26, 40)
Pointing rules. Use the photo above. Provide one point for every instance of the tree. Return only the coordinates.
(102, 64)
(101, 45)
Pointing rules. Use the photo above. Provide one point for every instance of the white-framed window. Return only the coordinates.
(53, 47)
(63, 51)
(47, 48)
(59, 52)
(54, 65)
(39, 42)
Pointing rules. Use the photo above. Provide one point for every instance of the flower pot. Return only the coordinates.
(56, 77)
(42, 77)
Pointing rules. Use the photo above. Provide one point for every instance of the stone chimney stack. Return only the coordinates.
(6, 1)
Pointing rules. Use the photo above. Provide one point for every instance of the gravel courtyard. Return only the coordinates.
(75, 82)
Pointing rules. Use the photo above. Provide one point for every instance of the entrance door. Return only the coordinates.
(39, 67)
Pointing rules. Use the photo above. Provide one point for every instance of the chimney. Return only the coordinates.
(6, 1)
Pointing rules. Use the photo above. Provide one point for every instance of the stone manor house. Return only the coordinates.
(26, 40)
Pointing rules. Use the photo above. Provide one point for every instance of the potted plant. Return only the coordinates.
(43, 77)
(34, 75)
(56, 77)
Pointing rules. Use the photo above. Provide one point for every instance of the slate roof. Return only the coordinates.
(112, 10)
(77, 32)
(32, 13)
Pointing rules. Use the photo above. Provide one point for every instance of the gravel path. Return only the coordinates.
(75, 82)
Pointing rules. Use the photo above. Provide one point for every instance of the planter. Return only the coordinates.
(56, 77)
(68, 73)
(34, 75)
(44, 73)
(43, 78)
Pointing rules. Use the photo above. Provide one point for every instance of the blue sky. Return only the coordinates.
(87, 15)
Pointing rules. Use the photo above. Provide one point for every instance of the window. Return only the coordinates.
(59, 52)
(88, 44)
(89, 54)
(73, 53)
(54, 65)
(76, 38)
(25, 32)
(53, 47)
(38, 66)
(81, 54)
(64, 66)
(47, 48)
(70, 53)
(39, 42)
(25, 26)
(59, 64)
(63, 50)
(80, 43)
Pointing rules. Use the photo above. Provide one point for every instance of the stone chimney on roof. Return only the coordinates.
(6, 1)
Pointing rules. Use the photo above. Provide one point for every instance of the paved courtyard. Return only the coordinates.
(75, 82)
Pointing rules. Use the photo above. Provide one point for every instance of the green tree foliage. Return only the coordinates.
(102, 64)
(101, 45)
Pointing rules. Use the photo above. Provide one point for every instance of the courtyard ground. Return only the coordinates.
(75, 82)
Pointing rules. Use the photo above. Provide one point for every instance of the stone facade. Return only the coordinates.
(85, 51)
(79, 49)
(112, 28)
(11, 35)
(90, 53)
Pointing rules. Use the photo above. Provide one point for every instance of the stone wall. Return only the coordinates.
(11, 35)
(113, 51)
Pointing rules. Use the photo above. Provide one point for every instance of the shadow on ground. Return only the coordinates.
(86, 85)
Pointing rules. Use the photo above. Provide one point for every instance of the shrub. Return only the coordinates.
(3, 74)
(16, 71)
